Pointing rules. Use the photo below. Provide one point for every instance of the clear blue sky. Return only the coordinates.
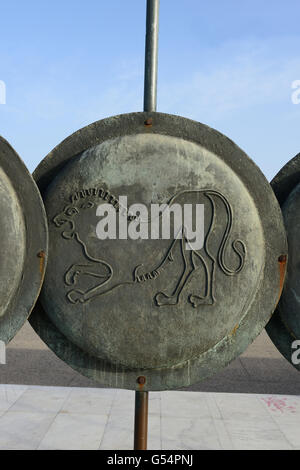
(228, 64)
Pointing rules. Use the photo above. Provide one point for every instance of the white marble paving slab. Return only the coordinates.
(291, 432)
(241, 406)
(118, 433)
(89, 401)
(23, 430)
(260, 434)
(189, 433)
(35, 417)
(185, 405)
(9, 394)
(123, 402)
(37, 400)
(72, 431)
(222, 432)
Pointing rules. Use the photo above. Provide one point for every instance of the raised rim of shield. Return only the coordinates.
(265, 298)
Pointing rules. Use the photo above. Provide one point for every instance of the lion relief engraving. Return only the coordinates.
(97, 267)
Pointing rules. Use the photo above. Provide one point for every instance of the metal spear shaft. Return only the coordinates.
(150, 98)
(151, 53)
(141, 420)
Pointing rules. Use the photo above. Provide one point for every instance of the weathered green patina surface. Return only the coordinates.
(23, 234)
(119, 309)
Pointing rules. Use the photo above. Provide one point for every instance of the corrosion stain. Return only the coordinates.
(234, 330)
(282, 270)
(42, 255)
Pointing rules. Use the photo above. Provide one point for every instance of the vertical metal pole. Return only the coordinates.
(141, 421)
(151, 52)
(150, 98)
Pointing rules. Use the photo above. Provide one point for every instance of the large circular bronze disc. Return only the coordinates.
(119, 309)
(284, 327)
(23, 233)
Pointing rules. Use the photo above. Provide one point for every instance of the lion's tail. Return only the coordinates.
(237, 245)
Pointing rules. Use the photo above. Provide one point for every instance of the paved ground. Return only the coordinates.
(257, 407)
(91, 418)
(261, 369)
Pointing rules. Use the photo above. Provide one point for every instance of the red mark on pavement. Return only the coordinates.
(282, 404)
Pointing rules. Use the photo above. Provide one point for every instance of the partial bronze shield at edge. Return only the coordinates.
(24, 239)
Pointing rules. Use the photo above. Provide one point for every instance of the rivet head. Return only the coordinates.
(148, 122)
(282, 258)
(141, 380)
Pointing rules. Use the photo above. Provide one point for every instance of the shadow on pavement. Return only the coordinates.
(244, 375)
